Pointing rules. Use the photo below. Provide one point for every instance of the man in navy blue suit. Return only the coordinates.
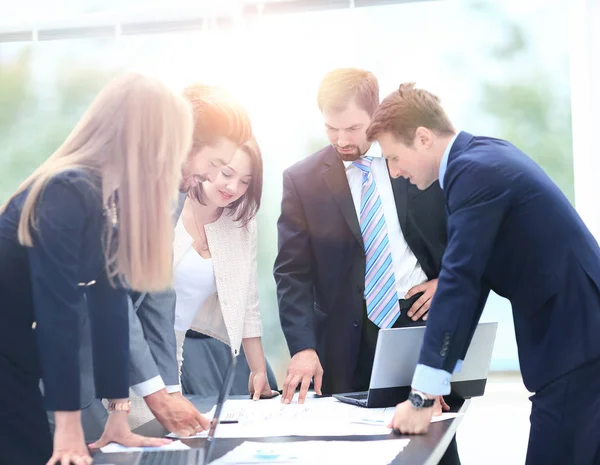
(510, 230)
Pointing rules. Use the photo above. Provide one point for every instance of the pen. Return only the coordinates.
(228, 422)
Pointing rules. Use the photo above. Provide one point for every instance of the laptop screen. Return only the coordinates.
(398, 349)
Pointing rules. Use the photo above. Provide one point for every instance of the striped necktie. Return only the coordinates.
(380, 284)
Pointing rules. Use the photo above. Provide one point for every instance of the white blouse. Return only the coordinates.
(193, 281)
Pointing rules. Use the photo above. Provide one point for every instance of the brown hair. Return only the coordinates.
(246, 207)
(406, 109)
(216, 115)
(340, 86)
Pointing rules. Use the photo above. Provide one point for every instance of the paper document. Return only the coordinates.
(379, 416)
(114, 447)
(266, 430)
(316, 417)
(312, 452)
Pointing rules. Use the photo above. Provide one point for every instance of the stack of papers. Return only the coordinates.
(315, 452)
(316, 417)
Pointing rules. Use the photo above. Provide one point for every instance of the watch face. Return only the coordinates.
(416, 400)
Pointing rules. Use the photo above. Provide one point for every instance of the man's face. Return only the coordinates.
(347, 131)
(205, 164)
(414, 162)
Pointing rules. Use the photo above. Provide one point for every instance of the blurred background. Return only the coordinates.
(501, 68)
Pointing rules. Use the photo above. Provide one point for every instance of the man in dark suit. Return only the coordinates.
(510, 230)
(334, 292)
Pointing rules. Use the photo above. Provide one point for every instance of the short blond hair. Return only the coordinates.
(340, 86)
(406, 109)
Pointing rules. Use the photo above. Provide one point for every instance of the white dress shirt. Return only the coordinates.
(407, 271)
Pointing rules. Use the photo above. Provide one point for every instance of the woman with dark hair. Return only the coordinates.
(215, 264)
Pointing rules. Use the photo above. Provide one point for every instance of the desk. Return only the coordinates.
(422, 450)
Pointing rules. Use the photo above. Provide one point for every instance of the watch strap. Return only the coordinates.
(419, 400)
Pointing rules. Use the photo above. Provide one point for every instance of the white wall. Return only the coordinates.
(585, 101)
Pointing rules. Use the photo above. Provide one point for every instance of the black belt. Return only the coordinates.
(196, 335)
(405, 304)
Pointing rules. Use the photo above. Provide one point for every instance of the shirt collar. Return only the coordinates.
(374, 151)
(444, 160)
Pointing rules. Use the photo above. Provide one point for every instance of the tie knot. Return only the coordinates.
(364, 164)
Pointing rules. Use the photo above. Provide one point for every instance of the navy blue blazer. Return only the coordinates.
(45, 284)
(320, 267)
(512, 230)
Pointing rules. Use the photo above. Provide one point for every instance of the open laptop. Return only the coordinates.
(396, 357)
(176, 457)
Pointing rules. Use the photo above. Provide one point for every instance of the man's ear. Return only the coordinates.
(424, 137)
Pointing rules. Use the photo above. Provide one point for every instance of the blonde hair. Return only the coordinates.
(340, 86)
(135, 136)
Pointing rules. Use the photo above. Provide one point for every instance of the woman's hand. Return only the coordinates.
(117, 430)
(258, 386)
(69, 441)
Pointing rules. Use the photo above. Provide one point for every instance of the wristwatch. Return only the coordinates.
(419, 400)
(119, 406)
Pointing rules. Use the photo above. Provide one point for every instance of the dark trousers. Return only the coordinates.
(362, 376)
(24, 432)
(565, 419)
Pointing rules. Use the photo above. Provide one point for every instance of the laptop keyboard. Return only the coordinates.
(170, 457)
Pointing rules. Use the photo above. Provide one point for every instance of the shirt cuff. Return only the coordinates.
(173, 388)
(148, 387)
(432, 381)
(458, 366)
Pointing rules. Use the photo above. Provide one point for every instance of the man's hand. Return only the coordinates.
(440, 406)
(421, 306)
(176, 413)
(304, 366)
(409, 420)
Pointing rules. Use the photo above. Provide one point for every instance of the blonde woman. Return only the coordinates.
(91, 221)
(215, 263)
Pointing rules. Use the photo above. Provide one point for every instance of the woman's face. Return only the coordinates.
(231, 182)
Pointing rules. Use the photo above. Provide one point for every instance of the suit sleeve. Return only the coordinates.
(153, 345)
(478, 198)
(108, 307)
(61, 217)
(294, 272)
(252, 321)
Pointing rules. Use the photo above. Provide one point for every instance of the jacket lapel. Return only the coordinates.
(181, 243)
(335, 177)
(179, 206)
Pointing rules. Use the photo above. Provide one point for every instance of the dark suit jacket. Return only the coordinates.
(511, 229)
(47, 283)
(320, 267)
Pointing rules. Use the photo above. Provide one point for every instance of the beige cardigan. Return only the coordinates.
(232, 313)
